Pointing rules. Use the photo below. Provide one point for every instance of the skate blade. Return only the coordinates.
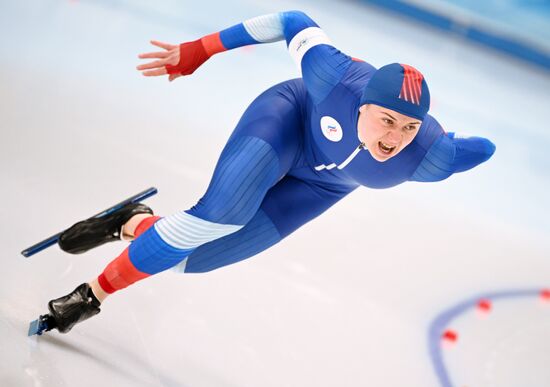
(39, 326)
(34, 328)
(54, 238)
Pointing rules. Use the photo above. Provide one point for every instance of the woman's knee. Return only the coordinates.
(186, 231)
(258, 235)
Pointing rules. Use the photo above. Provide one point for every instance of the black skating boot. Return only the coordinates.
(73, 308)
(94, 232)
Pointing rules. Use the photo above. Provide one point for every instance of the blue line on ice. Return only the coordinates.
(441, 322)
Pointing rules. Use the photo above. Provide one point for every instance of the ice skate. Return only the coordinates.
(94, 232)
(77, 306)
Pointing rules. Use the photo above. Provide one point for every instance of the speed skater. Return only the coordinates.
(299, 148)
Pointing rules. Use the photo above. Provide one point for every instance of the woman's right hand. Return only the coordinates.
(175, 60)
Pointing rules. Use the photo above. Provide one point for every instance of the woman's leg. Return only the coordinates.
(286, 207)
(260, 151)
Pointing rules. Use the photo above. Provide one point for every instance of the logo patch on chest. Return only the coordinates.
(331, 129)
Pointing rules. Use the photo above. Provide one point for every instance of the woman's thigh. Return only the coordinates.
(259, 152)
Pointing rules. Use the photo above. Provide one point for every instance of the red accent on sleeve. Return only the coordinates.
(213, 44)
(192, 55)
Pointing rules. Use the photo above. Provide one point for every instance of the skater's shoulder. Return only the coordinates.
(357, 76)
(429, 131)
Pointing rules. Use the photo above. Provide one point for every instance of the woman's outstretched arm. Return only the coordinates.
(450, 154)
(322, 67)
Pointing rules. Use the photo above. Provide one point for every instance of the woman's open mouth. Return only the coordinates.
(385, 149)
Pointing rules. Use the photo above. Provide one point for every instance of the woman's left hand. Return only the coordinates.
(170, 56)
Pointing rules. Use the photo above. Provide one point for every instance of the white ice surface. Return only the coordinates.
(347, 299)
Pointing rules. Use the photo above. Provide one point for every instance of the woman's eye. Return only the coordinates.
(387, 121)
(411, 128)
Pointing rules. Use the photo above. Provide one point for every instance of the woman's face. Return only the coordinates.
(385, 132)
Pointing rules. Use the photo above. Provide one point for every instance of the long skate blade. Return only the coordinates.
(54, 238)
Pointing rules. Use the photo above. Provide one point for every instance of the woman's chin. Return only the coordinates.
(380, 159)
